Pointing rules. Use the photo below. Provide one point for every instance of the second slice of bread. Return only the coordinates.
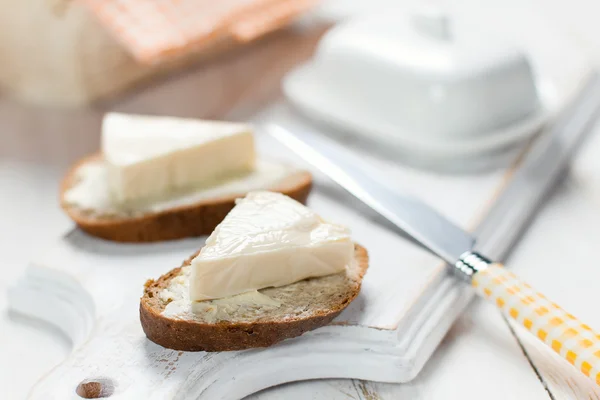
(190, 220)
(303, 306)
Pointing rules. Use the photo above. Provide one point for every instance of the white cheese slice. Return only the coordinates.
(267, 240)
(149, 157)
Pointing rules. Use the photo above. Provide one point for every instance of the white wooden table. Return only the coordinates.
(481, 357)
(479, 352)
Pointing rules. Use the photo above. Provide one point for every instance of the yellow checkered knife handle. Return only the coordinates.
(566, 335)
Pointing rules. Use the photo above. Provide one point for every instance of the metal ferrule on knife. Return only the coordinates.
(469, 264)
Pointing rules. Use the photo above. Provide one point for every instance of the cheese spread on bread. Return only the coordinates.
(267, 240)
(91, 193)
(180, 306)
(148, 157)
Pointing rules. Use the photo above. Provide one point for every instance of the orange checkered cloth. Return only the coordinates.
(155, 30)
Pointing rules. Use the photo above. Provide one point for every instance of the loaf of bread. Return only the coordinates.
(72, 59)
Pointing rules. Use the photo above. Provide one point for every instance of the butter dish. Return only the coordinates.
(423, 86)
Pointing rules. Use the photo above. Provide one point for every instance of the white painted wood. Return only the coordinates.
(90, 288)
(27, 194)
(558, 252)
(477, 351)
(566, 270)
(440, 373)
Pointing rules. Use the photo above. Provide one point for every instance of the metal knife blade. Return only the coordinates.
(408, 213)
(411, 215)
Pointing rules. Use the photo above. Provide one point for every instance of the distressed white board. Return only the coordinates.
(90, 289)
(565, 241)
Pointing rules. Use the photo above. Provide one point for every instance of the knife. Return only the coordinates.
(561, 331)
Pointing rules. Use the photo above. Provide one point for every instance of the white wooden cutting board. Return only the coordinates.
(90, 289)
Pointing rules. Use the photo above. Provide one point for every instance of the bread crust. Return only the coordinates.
(191, 220)
(187, 335)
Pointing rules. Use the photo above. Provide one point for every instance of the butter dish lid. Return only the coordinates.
(421, 80)
(425, 40)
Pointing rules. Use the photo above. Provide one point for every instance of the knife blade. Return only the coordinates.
(408, 213)
(421, 222)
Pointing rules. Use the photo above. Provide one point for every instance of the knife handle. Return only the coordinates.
(573, 340)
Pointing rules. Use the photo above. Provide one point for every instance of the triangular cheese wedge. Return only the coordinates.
(150, 156)
(267, 240)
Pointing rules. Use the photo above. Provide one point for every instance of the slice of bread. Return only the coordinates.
(189, 220)
(303, 306)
